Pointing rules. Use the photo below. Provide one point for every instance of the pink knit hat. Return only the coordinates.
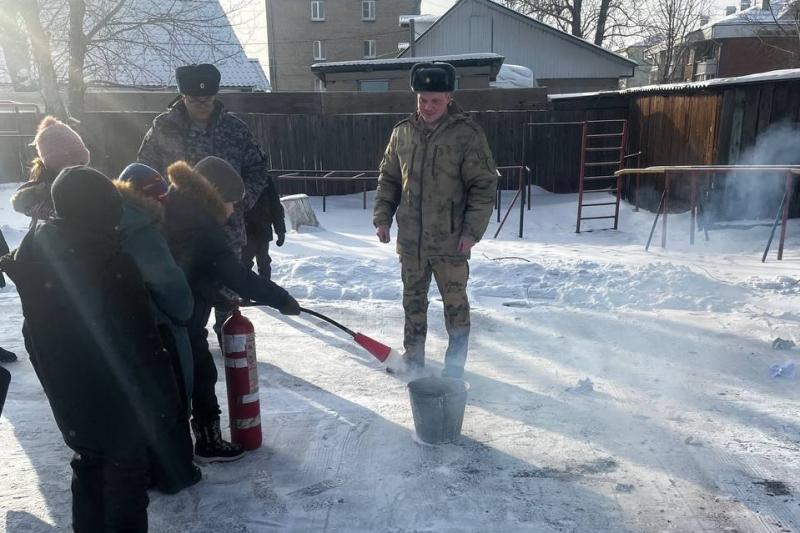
(59, 146)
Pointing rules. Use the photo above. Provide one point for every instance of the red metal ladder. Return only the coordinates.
(597, 173)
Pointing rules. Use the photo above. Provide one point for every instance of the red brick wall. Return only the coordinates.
(739, 57)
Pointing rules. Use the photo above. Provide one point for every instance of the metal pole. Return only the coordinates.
(774, 227)
(655, 221)
(529, 185)
(582, 175)
(788, 194)
(692, 206)
(666, 210)
(522, 176)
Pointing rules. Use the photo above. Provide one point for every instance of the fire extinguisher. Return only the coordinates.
(241, 377)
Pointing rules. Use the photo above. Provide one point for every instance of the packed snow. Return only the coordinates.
(612, 390)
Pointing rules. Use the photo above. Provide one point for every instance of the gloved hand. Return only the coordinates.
(280, 239)
(291, 307)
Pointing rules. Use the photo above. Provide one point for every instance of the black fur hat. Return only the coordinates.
(436, 77)
(198, 80)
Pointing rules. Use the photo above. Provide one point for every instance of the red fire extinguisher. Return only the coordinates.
(241, 377)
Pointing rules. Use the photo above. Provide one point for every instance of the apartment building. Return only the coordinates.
(303, 32)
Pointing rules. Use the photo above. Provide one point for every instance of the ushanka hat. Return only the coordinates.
(436, 77)
(198, 80)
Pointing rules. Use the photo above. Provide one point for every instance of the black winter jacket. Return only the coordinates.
(194, 215)
(91, 336)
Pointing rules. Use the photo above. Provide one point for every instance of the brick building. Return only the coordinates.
(754, 39)
(303, 32)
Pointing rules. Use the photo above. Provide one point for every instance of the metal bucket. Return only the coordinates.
(438, 407)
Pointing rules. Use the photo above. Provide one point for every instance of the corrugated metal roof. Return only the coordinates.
(761, 77)
(206, 36)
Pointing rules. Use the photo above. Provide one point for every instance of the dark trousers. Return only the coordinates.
(205, 408)
(109, 493)
(172, 452)
(5, 380)
(258, 249)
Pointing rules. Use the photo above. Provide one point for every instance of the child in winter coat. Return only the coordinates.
(143, 189)
(92, 340)
(57, 146)
(199, 202)
(266, 214)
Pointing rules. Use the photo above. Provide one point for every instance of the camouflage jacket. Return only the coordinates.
(174, 137)
(439, 184)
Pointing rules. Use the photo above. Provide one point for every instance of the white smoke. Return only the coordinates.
(750, 196)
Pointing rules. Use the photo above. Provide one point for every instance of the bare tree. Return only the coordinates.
(670, 22)
(606, 22)
(138, 41)
(25, 35)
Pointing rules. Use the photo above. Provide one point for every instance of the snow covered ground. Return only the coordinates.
(680, 428)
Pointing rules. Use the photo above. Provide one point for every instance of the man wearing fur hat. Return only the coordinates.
(438, 180)
(198, 126)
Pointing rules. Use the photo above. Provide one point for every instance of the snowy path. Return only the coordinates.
(684, 430)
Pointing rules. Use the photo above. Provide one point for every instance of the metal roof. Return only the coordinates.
(366, 65)
(761, 77)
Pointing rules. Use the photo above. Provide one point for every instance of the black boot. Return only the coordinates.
(7, 357)
(209, 446)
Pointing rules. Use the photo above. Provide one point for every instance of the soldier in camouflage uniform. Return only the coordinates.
(198, 126)
(438, 179)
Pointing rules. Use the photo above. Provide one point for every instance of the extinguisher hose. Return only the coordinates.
(328, 320)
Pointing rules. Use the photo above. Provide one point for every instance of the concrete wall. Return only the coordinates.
(291, 32)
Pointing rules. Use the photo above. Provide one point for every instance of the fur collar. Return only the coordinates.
(192, 185)
(132, 196)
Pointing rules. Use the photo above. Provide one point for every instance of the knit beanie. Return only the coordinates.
(223, 177)
(86, 196)
(59, 146)
(146, 180)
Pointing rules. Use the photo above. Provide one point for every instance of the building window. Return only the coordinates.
(369, 50)
(319, 86)
(371, 86)
(368, 10)
(318, 50)
(318, 10)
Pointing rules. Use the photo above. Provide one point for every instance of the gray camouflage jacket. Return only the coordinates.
(174, 137)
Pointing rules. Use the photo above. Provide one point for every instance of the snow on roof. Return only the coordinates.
(774, 75)
(147, 55)
(399, 62)
(754, 15)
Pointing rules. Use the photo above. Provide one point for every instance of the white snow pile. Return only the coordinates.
(611, 389)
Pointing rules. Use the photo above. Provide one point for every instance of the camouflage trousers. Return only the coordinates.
(451, 274)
